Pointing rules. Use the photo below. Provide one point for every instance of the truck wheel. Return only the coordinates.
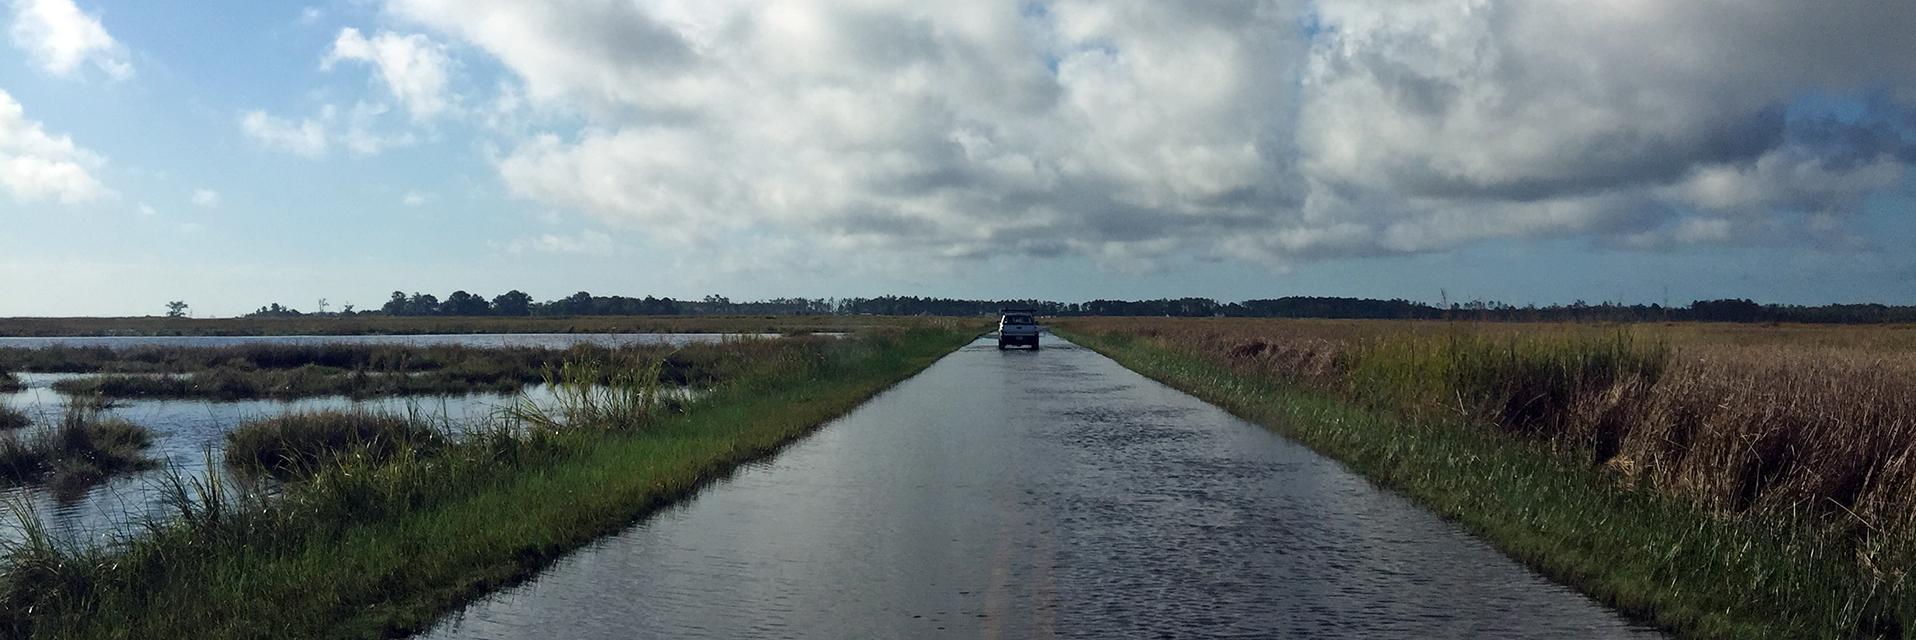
(1001, 345)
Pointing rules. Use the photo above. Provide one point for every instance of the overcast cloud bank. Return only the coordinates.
(1264, 131)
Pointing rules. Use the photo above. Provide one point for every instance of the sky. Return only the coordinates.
(235, 153)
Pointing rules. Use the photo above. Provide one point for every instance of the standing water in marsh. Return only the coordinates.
(1039, 494)
(482, 340)
(185, 431)
(186, 435)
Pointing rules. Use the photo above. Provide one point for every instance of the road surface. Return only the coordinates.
(1039, 494)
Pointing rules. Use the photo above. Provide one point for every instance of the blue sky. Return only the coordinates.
(240, 153)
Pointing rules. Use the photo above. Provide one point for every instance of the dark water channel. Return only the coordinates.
(1019, 494)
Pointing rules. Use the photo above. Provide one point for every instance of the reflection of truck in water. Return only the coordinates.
(1017, 327)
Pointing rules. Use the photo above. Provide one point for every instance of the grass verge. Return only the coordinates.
(381, 550)
(1658, 559)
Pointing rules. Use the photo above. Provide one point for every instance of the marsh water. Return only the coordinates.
(187, 433)
(544, 340)
(1039, 494)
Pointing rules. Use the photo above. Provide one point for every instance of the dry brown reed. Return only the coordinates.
(1777, 424)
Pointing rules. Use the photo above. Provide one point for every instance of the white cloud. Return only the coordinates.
(413, 67)
(899, 124)
(206, 198)
(310, 16)
(417, 199)
(358, 131)
(59, 36)
(36, 166)
(1614, 115)
(148, 210)
(1127, 131)
(584, 243)
(306, 137)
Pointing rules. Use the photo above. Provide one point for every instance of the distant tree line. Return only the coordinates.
(519, 303)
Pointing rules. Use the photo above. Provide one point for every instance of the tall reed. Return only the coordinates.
(1807, 433)
(621, 393)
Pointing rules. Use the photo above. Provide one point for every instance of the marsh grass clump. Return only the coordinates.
(12, 419)
(83, 448)
(620, 394)
(298, 445)
(10, 383)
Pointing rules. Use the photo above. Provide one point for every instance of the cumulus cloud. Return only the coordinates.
(413, 67)
(965, 129)
(206, 198)
(37, 166)
(1265, 130)
(61, 37)
(1626, 107)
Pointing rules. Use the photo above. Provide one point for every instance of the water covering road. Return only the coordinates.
(1021, 494)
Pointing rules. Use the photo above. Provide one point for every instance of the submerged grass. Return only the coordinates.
(303, 371)
(83, 448)
(369, 548)
(225, 383)
(300, 445)
(1716, 489)
(12, 419)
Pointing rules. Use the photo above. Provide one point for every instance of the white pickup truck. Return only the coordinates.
(1017, 327)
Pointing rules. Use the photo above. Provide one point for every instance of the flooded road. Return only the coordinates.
(1039, 494)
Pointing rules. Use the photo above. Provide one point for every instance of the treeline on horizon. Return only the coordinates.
(518, 303)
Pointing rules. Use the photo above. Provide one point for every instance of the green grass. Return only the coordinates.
(1659, 560)
(366, 549)
(299, 445)
(84, 448)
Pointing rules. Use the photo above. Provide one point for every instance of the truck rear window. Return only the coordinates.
(1017, 319)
